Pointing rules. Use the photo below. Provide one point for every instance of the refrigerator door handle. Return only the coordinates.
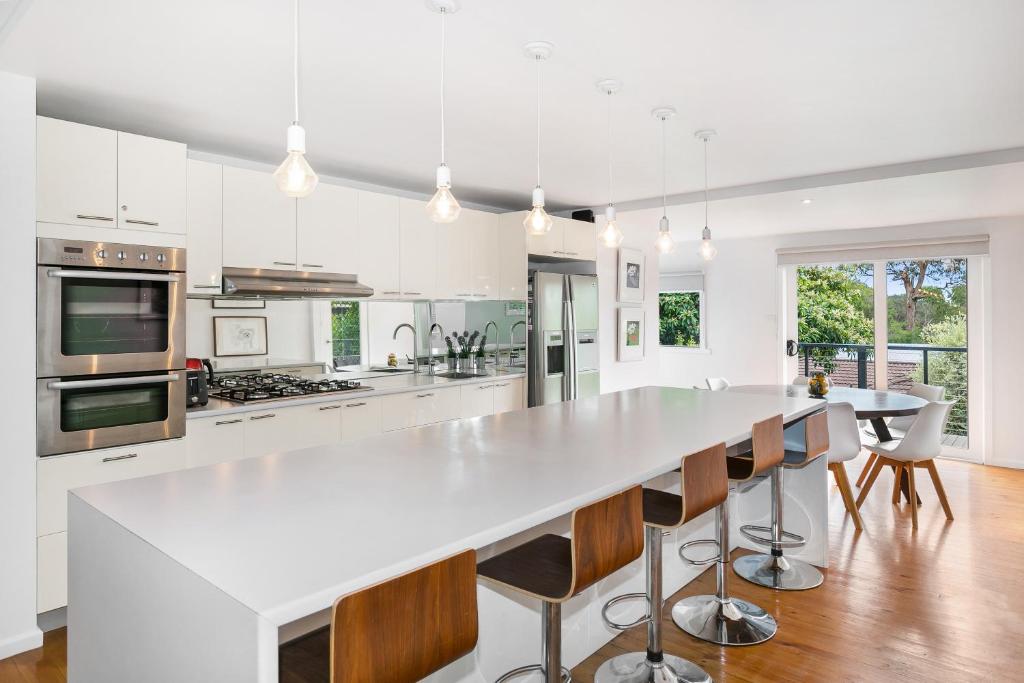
(571, 341)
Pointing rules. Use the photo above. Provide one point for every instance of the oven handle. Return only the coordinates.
(112, 275)
(112, 382)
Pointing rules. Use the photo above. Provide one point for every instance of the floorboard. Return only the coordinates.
(899, 606)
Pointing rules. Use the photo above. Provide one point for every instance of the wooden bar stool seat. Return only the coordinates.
(406, 628)
(704, 485)
(721, 618)
(605, 536)
(774, 570)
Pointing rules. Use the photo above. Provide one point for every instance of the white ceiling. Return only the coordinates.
(794, 87)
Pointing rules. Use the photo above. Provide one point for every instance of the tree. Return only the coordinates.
(948, 368)
(914, 274)
(831, 310)
(679, 318)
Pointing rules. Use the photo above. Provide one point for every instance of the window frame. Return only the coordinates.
(702, 347)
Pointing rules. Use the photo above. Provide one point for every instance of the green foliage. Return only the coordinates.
(834, 307)
(936, 304)
(948, 368)
(345, 328)
(679, 319)
(915, 276)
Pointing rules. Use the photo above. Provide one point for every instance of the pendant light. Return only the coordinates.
(294, 176)
(442, 207)
(664, 243)
(707, 250)
(610, 236)
(537, 221)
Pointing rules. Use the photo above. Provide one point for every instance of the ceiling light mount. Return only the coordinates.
(538, 49)
(705, 134)
(663, 113)
(446, 6)
(609, 86)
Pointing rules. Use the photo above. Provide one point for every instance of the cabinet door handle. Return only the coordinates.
(413, 293)
(284, 263)
(126, 456)
(205, 286)
(557, 252)
(227, 422)
(502, 385)
(423, 395)
(311, 265)
(330, 407)
(92, 218)
(390, 292)
(486, 386)
(572, 253)
(355, 405)
(464, 294)
(133, 221)
(263, 417)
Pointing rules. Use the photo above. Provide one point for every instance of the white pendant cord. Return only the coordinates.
(295, 60)
(664, 171)
(539, 60)
(609, 147)
(705, 182)
(443, 13)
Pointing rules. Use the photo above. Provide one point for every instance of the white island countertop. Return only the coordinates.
(286, 534)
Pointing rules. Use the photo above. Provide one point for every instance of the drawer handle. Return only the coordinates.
(355, 405)
(330, 407)
(423, 395)
(126, 456)
(138, 222)
(311, 265)
(486, 386)
(394, 292)
(206, 286)
(413, 293)
(502, 385)
(263, 417)
(227, 422)
(92, 218)
(284, 263)
(572, 253)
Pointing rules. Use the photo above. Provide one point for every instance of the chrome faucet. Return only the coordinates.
(511, 339)
(430, 346)
(497, 347)
(415, 349)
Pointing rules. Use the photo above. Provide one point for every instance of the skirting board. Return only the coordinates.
(29, 640)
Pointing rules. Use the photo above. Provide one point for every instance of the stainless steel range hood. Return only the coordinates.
(291, 284)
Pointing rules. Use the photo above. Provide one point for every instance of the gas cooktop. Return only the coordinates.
(256, 388)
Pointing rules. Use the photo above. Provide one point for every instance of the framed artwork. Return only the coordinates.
(239, 303)
(631, 334)
(239, 336)
(631, 276)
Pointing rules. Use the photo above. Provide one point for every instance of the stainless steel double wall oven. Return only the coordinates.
(110, 344)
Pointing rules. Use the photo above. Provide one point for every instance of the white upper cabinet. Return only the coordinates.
(328, 230)
(259, 221)
(150, 184)
(416, 253)
(484, 262)
(203, 216)
(377, 219)
(580, 239)
(549, 244)
(76, 174)
(453, 258)
(511, 257)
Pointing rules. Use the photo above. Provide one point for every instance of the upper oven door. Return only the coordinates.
(107, 321)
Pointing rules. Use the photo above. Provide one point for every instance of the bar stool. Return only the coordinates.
(704, 483)
(774, 570)
(720, 618)
(408, 627)
(606, 536)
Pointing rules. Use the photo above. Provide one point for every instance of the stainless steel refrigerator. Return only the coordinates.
(563, 351)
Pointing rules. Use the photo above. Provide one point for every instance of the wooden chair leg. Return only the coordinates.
(870, 482)
(939, 490)
(867, 468)
(909, 467)
(896, 475)
(843, 482)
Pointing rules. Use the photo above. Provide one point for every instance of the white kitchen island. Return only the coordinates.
(197, 575)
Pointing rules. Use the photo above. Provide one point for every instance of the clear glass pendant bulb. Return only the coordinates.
(707, 250)
(443, 207)
(295, 177)
(665, 244)
(610, 235)
(537, 222)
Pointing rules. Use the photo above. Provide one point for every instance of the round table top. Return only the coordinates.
(868, 404)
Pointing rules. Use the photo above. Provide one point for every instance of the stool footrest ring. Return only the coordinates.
(790, 540)
(700, 563)
(622, 598)
(522, 670)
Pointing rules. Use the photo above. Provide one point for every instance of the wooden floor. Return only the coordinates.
(944, 603)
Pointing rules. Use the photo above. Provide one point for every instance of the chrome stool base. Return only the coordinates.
(781, 573)
(729, 622)
(634, 667)
(529, 669)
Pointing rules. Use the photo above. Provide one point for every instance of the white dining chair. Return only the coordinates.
(898, 426)
(844, 445)
(917, 449)
(801, 380)
(717, 383)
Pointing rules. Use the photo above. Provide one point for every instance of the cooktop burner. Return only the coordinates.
(252, 388)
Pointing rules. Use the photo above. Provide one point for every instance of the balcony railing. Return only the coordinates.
(853, 365)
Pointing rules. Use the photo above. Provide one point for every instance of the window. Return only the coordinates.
(681, 319)
(345, 333)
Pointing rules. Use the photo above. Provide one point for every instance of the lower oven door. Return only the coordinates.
(83, 413)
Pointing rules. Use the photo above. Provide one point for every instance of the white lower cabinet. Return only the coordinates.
(415, 409)
(491, 398)
(359, 419)
(279, 430)
(508, 395)
(52, 564)
(214, 439)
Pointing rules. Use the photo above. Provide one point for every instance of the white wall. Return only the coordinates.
(18, 630)
(745, 345)
(289, 328)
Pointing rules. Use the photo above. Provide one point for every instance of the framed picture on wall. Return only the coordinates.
(239, 336)
(631, 333)
(631, 276)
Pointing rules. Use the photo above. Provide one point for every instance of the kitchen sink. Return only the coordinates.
(460, 375)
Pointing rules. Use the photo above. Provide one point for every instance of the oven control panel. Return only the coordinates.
(58, 252)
